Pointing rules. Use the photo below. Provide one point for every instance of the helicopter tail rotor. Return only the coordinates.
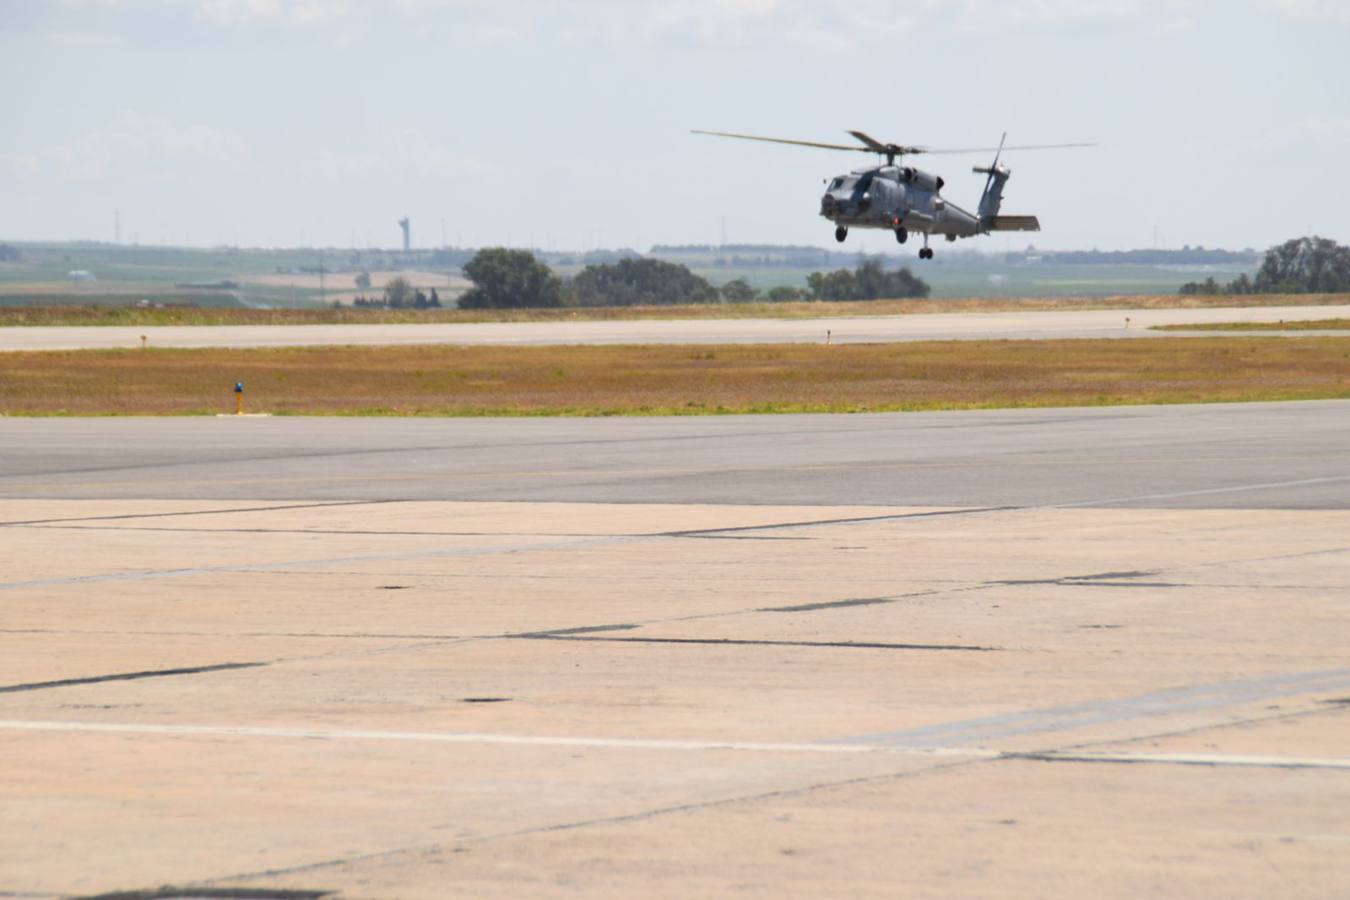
(992, 198)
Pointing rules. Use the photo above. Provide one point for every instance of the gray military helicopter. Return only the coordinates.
(904, 199)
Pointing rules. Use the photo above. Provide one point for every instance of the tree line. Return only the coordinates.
(507, 279)
(1309, 265)
(399, 293)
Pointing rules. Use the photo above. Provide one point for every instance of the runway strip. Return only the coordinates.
(1123, 323)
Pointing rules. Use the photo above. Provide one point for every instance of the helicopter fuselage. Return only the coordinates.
(902, 199)
(896, 198)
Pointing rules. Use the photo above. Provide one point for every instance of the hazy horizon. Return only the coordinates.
(564, 124)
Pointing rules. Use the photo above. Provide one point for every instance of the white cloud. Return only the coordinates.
(298, 13)
(84, 40)
(411, 152)
(831, 25)
(18, 165)
(1001, 15)
(143, 145)
(820, 24)
(1324, 12)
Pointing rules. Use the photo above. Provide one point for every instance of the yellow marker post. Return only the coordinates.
(238, 398)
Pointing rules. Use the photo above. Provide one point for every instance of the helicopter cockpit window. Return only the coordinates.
(836, 184)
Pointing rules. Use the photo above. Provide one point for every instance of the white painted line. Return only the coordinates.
(442, 737)
(340, 734)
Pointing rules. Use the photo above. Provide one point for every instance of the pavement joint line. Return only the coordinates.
(146, 574)
(216, 634)
(1184, 759)
(768, 434)
(1201, 492)
(858, 601)
(58, 525)
(657, 744)
(581, 541)
(1168, 701)
(622, 818)
(854, 520)
(201, 512)
(745, 642)
(128, 676)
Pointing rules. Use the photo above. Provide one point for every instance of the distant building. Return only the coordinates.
(407, 233)
(80, 275)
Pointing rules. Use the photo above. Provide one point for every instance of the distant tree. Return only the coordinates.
(836, 285)
(633, 282)
(398, 293)
(435, 300)
(738, 290)
(1208, 287)
(509, 279)
(420, 300)
(1309, 265)
(784, 294)
(363, 281)
(8, 253)
(868, 281)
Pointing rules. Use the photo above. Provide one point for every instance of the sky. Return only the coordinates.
(564, 124)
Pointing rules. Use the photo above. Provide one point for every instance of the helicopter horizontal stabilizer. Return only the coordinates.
(1014, 223)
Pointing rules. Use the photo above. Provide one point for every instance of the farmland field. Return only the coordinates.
(289, 278)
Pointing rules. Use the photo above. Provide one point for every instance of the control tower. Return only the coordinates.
(407, 233)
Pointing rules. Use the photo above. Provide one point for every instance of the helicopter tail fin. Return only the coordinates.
(1013, 223)
(992, 198)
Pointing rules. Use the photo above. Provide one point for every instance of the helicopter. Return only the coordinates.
(902, 199)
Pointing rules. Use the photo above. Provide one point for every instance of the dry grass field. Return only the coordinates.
(664, 380)
(126, 315)
(1310, 325)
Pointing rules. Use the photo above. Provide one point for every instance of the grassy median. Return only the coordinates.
(665, 380)
(56, 315)
(1310, 325)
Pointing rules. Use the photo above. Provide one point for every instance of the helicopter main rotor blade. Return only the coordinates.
(1000, 149)
(889, 150)
(872, 143)
(770, 140)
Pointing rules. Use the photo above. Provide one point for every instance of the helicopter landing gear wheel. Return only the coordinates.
(840, 234)
(901, 235)
(926, 252)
